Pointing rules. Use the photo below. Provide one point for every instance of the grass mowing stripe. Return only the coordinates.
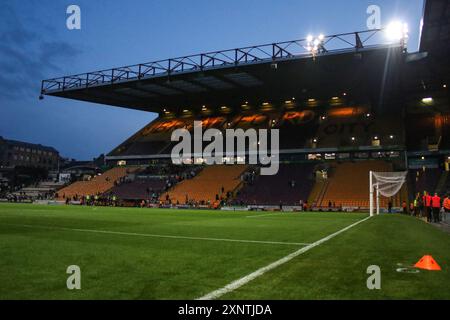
(264, 215)
(244, 280)
(157, 235)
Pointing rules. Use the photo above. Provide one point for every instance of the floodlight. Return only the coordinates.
(397, 30)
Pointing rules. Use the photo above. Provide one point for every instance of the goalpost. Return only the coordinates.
(387, 184)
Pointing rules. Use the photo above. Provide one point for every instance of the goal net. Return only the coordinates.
(386, 184)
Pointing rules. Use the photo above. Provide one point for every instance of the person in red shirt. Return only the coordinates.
(404, 206)
(436, 205)
(447, 204)
(427, 205)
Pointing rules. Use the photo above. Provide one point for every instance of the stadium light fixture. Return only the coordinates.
(427, 100)
(314, 44)
(391, 137)
(423, 158)
(353, 139)
(397, 31)
(368, 115)
(315, 140)
(444, 86)
(344, 94)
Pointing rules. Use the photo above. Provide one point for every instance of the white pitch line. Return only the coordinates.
(157, 235)
(246, 279)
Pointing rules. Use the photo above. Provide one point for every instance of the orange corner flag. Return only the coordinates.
(427, 263)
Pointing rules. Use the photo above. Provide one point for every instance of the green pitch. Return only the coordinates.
(128, 253)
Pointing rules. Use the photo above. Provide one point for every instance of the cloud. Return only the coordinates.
(26, 54)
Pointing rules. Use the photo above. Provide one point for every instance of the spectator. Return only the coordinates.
(447, 203)
(436, 205)
(427, 205)
(404, 207)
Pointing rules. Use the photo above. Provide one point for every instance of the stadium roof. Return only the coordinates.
(348, 63)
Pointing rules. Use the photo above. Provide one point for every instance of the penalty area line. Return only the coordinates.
(156, 235)
(246, 279)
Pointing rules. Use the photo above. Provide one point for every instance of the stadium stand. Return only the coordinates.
(207, 185)
(424, 180)
(42, 190)
(443, 185)
(98, 184)
(348, 185)
(292, 183)
(140, 189)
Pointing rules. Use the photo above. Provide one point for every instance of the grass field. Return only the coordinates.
(128, 253)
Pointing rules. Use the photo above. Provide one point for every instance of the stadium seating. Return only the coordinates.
(348, 184)
(423, 180)
(98, 184)
(43, 189)
(207, 184)
(292, 183)
(139, 189)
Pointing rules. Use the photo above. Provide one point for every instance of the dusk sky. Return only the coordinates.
(35, 44)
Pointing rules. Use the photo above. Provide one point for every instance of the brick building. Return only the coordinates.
(17, 153)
